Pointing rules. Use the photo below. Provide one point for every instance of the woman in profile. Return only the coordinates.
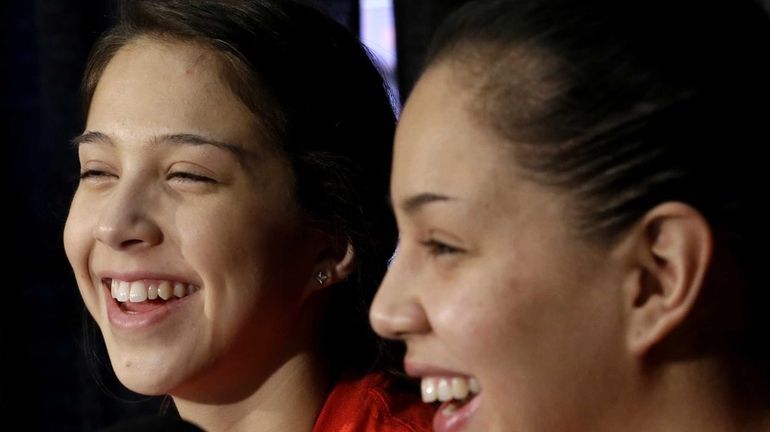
(231, 223)
(579, 193)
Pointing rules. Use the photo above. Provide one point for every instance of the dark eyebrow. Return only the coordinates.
(174, 139)
(90, 137)
(186, 138)
(413, 204)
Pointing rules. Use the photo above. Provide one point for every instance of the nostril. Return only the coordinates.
(129, 243)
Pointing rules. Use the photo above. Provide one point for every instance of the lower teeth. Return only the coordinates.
(455, 405)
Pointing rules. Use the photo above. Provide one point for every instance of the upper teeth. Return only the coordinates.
(139, 291)
(444, 389)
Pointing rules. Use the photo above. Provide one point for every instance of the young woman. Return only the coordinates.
(578, 190)
(231, 222)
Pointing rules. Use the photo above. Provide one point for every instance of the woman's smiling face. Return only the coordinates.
(490, 281)
(181, 191)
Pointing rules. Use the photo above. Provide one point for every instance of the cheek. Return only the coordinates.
(536, 320)
(75, 231)
(79, 235)
(78, 241)
(469, 315)
(501, 319)
(240, 256)
(221, 243)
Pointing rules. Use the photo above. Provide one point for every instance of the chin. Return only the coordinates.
(143, 386)
(142, 381)
(143, 375)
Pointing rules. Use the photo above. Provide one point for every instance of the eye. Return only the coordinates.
(184, 176)
(438, 248)
(95, 175)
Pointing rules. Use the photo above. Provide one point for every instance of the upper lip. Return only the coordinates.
(417, 369)
(137, 275)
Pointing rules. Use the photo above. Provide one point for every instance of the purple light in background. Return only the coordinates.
(378, 33)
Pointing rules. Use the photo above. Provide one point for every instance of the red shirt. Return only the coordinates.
(373, 404)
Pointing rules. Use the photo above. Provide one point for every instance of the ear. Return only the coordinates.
(670, 251)
(333, 265)
(342, 265)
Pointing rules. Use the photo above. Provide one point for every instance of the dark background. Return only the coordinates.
(46, 382)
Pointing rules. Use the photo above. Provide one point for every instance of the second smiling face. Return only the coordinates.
(490, 281)
(179, 189)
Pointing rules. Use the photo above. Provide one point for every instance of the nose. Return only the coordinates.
(397, 312)
(125, 222)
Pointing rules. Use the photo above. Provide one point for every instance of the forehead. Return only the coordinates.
(166, 86)
(441, 148)
(444, 150)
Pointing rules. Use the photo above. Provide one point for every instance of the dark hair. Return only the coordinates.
(628, 104)
(323, 104)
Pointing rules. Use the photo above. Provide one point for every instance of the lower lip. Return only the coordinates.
(151, 317)
(456, 421)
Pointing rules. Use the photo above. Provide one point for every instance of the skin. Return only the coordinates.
(220, 216)
(492, 281)
(503, 298)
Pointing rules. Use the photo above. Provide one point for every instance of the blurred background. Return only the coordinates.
(46, 382)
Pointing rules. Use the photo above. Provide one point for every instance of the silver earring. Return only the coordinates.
(321, 277)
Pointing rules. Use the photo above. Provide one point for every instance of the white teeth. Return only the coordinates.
(124, 290)
(143, 290)
(445, 389)
(138, 292)
(165, 291)
(428, 387)
(449, 410)
(459, 388)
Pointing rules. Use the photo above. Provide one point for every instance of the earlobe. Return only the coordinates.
(672, 247)
(333, 268)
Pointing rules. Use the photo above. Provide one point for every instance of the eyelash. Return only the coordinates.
(181, 175)
(189, 177)
(93, 173)
(437, 248)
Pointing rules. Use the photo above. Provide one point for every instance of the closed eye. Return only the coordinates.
(189, 177)
(437, 248)
(84, 175)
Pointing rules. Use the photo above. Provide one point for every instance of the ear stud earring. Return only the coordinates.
(321, 277)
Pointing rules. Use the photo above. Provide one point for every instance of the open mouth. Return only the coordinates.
(144, 295)
(458, 397)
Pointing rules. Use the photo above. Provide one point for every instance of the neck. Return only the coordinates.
(289, 400)
(694, 395)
